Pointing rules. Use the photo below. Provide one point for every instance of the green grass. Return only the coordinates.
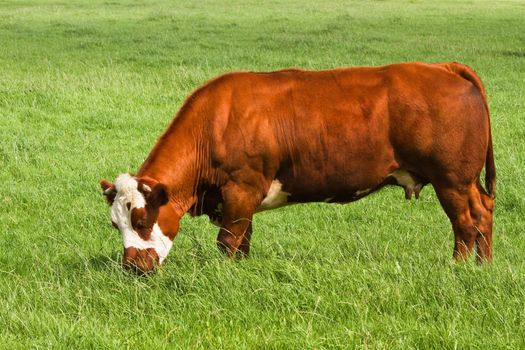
(85, 90)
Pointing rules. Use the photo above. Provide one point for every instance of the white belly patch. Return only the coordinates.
(275, 197)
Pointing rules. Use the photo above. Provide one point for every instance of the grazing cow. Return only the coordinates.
(246, 142)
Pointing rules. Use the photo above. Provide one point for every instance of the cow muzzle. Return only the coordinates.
(140, 261)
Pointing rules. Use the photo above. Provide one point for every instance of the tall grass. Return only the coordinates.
(87, 87)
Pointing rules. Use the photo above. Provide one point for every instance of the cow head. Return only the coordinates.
(136, 205)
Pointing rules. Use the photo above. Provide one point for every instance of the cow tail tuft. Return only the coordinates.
(468, 73)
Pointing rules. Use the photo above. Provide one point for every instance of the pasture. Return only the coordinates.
(87, 87)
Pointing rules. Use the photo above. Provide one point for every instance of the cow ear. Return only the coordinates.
(156, 196)
(108, 190)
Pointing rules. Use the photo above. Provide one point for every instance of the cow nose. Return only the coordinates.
(140, 261)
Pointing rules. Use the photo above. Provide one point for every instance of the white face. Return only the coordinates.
(127, 198)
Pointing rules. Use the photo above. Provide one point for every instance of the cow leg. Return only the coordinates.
(483, 205)
(455, 204)
(244, 248)
(238, 207)
(471, 221)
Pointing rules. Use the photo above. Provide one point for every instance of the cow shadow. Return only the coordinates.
(517, 54)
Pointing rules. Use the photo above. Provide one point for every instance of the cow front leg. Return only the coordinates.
(244, 248)
(238, 207)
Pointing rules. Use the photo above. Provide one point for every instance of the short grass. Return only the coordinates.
(87, 87)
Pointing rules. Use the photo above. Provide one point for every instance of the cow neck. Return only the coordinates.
(178, 161)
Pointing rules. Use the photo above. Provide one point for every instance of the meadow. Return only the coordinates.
(87, 87)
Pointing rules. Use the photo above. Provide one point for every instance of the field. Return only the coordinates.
(87, 87)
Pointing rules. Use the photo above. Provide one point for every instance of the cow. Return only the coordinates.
(245, 142)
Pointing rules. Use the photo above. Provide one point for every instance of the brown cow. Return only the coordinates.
(246, 142)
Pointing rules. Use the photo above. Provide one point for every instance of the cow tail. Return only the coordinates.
(490, 170)
(468, 73)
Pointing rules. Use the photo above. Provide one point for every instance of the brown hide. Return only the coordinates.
(333, 135)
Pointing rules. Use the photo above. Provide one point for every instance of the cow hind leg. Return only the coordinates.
(470, 212)
(483, 207)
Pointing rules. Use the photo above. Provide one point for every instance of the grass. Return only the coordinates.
(87, 87)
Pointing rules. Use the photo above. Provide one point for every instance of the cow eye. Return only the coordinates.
(128, 205)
